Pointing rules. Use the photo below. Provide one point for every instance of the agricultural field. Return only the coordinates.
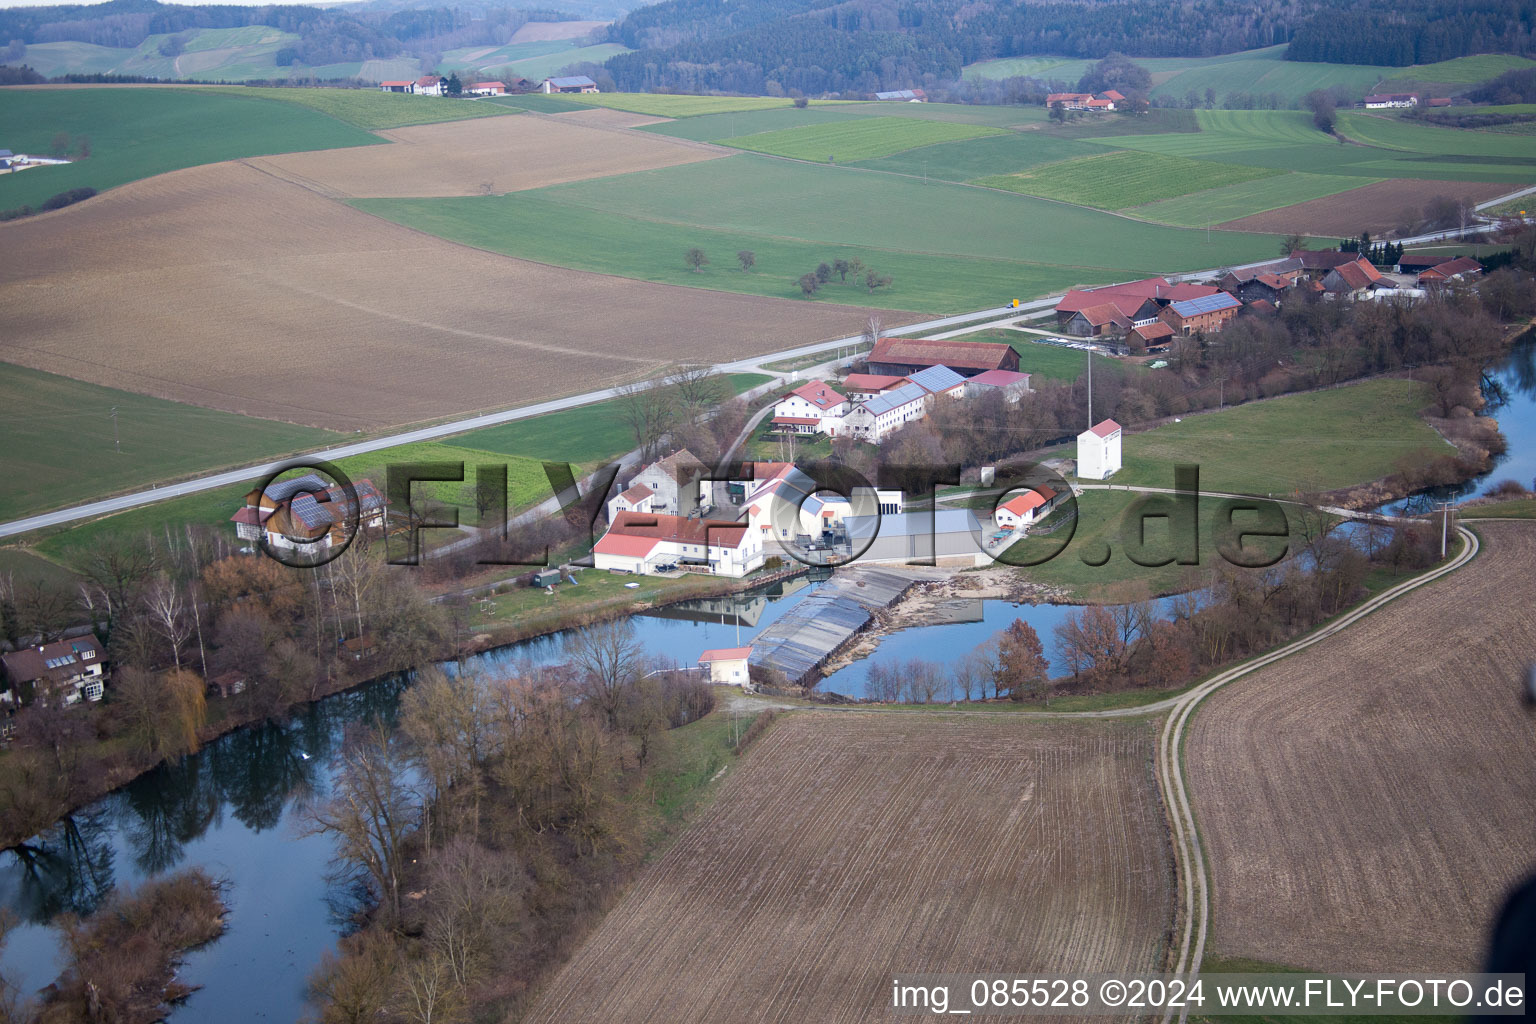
(1319, 441)
(1004, 154)
(1244, 199)
(659, 105)
(136, 133)
(485, 155)
(1114, 181)
(862, 139)
(227, 54)
(480, 58)
(1038, 845)
(1377, 207)
(414, 328)
(1063, 69)
(1286, 140)
(370, 109)
(1362, 804)
(63, 445)
(795, 215)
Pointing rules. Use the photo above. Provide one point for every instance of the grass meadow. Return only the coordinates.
(1321, 440)
(370, 109)
(1114, 181)
(60, 450)
(867, 138)
(1048, 362)
(136, 133)
(1213, 206)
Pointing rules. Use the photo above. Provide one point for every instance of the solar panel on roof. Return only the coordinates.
(1205, 304)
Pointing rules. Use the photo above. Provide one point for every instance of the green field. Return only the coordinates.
(1114, 181)
(1393, 148)
(1216, 205)
(860, 139)
(659, 105)
(1465, 70)
(980, 158)
(135, 133)
(217, 54)
(59, 441)
(371, 109)
(1317, 441)
(1065, 69)
(538, 67)
(948, 248)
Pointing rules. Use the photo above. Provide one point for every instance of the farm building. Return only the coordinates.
(1023, 511)
(639, 542)
(727, 665)
(862, 386)
(1012, 384)
(939, 380)
(902, 356)
(676, 483)
(1209, 313)
(1153, 337)
(487, 89)
(306, 513)
(637, 498)
(903, 96)
(1415, 263)
(430, 85)
(812, 408)
(1463, 268)
(1267, 281)
(1316, 263)
(874, 419)
(1084, 100)
(949, 536)
(1098, 451)
(1134, 303)
(569, 83)
(68, 671)
(1391, 100)
(397, 86)
(1355, 279)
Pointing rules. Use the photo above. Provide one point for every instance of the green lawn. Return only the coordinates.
(1518, 508)
(135, 133)
(1213, 206)
(660, 105)
(22, 568)
(859, 139)
(1465, 70)
(60, 451)
(1065, 69)
(371, 109)
(1318, 441)
(526, 481)
(733, 124)
(1113, 181)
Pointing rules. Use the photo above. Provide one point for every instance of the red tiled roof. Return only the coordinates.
(1322, 259)
(1459, 265)
(637, 494)
(819, 393)
(401, 84)
(1067, 97)
(957, 355)
(1153, 331)
(495, 85)
(726, 654)
(1099, 104)
(1261, 306)
(1104, 428)
(429, 79)
(1105, 313)
(1000, 378)
(1128, 297)
(622, 544)
(1112, 94)
(1028, 500)
(1358, 274)
(677, 529)
(1273, 281)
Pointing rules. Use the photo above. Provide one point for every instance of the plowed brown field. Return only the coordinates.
(850, 848)
(610, 117)
(1365, 804)
(227, 287)
(484, 154)
(1374, 208)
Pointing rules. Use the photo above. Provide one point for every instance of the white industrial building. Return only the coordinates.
(1098, 451)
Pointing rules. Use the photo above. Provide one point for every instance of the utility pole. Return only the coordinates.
(1221, 393)
(1090, 389)
(117, 445)
(1445, 527)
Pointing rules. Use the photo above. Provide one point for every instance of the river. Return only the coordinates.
(235, 808)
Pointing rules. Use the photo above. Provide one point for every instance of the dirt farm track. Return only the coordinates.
(1365, 804)
(228, 287)
(848, 848)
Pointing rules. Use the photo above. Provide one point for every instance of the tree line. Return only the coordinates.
(1396, 33)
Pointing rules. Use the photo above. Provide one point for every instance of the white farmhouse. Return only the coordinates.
(638, 498)
(1098, 451)
(640, 542)
(874, 419)
(812, 408)
(1023, 511)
